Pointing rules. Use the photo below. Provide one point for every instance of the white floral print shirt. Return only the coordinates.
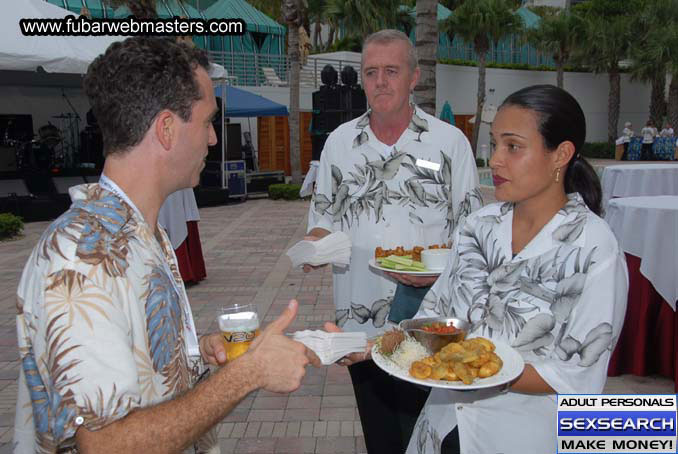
(560, 302)
(99, 324)
(384, 197)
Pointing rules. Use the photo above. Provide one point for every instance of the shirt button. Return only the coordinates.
(79, 420)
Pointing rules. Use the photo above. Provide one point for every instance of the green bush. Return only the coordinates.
(10, 225)
(598, 150)
(284, 191)
(521, 66)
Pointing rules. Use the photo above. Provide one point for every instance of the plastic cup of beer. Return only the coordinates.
(239, 325)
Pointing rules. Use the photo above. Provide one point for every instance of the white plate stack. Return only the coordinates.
(335, 248)
(331, 347)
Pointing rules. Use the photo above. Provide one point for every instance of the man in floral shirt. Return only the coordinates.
(108, 348)
(396, 176)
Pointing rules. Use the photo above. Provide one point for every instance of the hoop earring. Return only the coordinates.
(557, 174)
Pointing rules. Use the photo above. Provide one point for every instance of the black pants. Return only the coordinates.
(646, 153)
(625, 156)
(451, 443)
(388, 407)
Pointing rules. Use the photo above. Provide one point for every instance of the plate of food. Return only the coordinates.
(417, 261)
(417, 271)
(473, 363)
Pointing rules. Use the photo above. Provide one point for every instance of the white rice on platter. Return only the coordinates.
(408, 352)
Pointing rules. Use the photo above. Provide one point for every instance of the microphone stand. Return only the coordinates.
(75, 132)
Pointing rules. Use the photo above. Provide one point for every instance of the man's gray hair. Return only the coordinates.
(388, 36)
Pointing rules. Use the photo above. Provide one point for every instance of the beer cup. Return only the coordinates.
(239, 325)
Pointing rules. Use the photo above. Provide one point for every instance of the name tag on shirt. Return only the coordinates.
(428, 164)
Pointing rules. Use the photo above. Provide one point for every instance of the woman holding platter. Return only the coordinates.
(541, 272)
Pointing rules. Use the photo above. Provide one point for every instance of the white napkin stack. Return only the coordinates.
(330, 347)
(335, 248)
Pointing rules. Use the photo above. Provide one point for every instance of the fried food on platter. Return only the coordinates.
(414, 253)
(390, 341)
(379, 252)
(465, 361)
(420, 370)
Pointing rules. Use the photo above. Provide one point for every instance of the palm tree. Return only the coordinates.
(672, 106)
(268, 7)
(653, 53)
(361, 17)
(602, 45)
(427, 51)
(650, 61)
(556, 35)
(405, 20)
(483, 23)
(293, 13)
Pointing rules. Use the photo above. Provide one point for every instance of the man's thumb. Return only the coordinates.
(283, 321)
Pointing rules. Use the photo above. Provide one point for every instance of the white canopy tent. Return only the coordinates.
(60, 54)
(55, 54)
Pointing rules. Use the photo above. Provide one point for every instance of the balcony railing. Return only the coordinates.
(252, 69)
(255, 69)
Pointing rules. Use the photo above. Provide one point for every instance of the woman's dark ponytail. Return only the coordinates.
(560, 119)
(582, 178)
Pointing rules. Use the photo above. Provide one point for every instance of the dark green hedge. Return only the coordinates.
(284, 191)
(523, 66)
(598, 150)
(10, 225)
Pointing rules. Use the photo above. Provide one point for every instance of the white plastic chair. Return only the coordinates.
(271, 77)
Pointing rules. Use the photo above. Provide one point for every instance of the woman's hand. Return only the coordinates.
(351, 358)
(413, 280)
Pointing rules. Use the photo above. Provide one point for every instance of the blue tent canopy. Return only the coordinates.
(241, 103)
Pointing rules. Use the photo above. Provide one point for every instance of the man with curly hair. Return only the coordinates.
(109, 352)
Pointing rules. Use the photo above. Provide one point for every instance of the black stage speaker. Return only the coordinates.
(233, 143)
(92, 146)
(317, 145)
(326, 98)
(8, 159)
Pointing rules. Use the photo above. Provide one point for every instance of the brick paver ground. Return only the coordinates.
(244, 247)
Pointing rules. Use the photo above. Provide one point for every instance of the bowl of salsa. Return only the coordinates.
(436, 332)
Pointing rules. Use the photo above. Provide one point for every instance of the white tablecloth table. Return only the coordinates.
(632, 180)
(647, 227)
(179, 208)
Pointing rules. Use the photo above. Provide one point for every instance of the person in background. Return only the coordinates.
(649, 132)
(667, 131)
(394, 176)
(539, 271)
(627, 133)
(110, 359)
